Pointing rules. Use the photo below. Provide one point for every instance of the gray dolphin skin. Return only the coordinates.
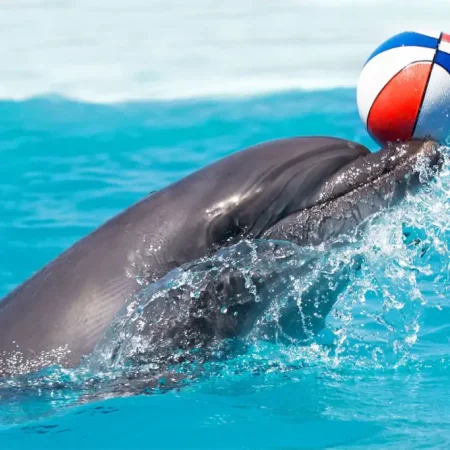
(304, 190)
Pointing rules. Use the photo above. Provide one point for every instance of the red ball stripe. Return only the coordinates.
(445, 37)
(394, 112)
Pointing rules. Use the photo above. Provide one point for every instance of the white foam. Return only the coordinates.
(113, 50)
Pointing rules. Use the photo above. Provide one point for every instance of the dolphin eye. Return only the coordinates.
(223, 229)
(232, 232)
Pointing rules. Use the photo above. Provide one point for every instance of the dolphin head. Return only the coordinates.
(359, 189)
(308, 190)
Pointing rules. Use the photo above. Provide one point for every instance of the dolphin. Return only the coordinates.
(306, 190)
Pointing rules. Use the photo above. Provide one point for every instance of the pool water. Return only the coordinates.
(103, 102)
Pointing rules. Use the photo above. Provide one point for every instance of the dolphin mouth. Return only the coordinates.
(390, 164)
(359, 190)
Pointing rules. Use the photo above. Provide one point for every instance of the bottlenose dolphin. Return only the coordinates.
(305, 190)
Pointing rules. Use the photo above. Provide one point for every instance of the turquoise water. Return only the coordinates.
(377, 378)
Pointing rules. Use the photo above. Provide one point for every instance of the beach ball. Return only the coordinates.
(403, 91)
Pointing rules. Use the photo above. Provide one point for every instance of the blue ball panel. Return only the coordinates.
(407, 39)
(443, 59)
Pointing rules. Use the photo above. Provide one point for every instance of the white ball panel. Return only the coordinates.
(428, 32)
(434, 117)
